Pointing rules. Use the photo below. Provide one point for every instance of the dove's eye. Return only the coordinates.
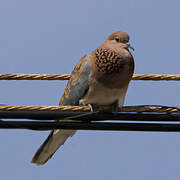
(117, 39)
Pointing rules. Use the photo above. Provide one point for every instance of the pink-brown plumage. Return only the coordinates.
(112, 67)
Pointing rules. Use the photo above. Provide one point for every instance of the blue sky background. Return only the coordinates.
(41, 36)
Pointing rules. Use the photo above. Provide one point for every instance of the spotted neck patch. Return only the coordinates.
(108, 61)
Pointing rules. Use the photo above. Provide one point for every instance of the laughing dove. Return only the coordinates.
(101, 78)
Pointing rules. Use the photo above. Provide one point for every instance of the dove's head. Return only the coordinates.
(120, 38)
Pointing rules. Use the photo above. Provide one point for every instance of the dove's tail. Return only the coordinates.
(55, 139)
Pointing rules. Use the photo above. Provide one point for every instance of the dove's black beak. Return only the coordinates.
(129, 46)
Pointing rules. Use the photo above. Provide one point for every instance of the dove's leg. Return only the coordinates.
(115, 106)
(93, 107)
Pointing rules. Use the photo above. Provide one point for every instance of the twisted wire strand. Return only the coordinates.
(86, 108)
(157, 77)
(152, 77)
(34, 76)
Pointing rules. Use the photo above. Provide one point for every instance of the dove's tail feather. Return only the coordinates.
(55, 139)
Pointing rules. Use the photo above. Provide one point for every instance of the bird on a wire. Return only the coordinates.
(98, 79)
